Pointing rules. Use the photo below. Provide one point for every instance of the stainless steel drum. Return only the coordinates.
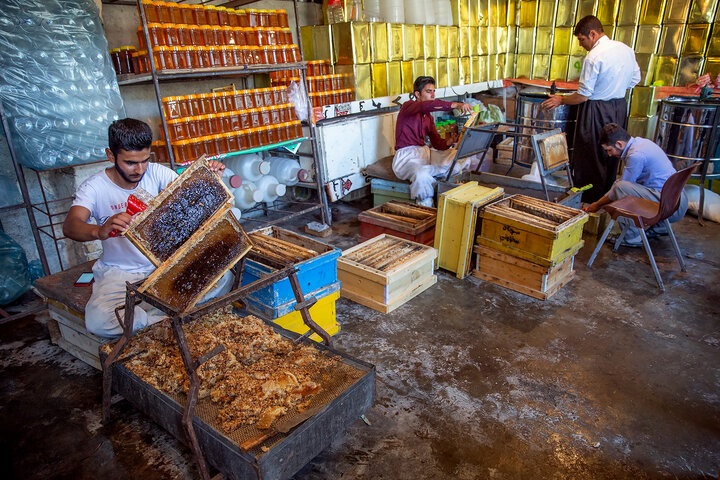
(530, 112)
(683, 131)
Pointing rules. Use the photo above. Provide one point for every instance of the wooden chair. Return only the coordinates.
(646, 213)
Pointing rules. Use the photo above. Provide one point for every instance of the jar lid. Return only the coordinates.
(212, 7)
(168, 25)
(222, 8)
(196, 6)
(114, 50)
(128, 47)
(157, 143)
(184, 5)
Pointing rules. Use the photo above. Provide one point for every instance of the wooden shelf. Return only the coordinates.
(132, 79)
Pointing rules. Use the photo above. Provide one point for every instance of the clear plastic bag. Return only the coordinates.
(298, 96)
(57, 82)
(14, 274)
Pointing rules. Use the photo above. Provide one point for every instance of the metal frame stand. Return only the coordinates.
(541, 161)
(178, 319)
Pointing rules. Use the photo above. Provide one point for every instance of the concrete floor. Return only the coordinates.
(609, 379)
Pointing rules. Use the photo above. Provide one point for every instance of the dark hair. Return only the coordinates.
(613, 133)
(130, 135)
(586, 25)
(421, 82)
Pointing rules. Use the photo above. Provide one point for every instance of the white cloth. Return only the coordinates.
(104, 199)
(420, 165)
(608, 71)
(108, 292)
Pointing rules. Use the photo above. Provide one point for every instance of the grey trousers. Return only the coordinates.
(621, 189)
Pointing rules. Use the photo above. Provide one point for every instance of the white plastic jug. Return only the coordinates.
(247, 196)
(287, 171)
(250, 167)
(230, 179)
(392, 11)
(415, 11)
(270, 188)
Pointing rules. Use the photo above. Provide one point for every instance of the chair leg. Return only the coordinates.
(619, 239)
(601, 242)
(675, 245)
(646, 244)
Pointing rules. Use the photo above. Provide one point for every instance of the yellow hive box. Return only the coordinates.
(676, 11)
(565, 16)
(351, 41)
(322, 43)
(646, 62)
(461, 12)
(474, 44)
(418, 68)
(475, 69)
(526, 40)
(456, 222)
(409, 45)
(385, 272)
(541, 67)
(671, 40)
(441, 81)
(419, 41)
(359, 78)
(395, 41)
(688, 70)
(499, 67)
(323, 313)
(546, 13)
(665, 70)
(408, 76)
(643, 102)
(559, 67)
(523, 65)
(395, 85)
(484, 12)
(430, 41)
(647, 39)
(626, 35)
(465, 71)
(629, 12)
(713, 48)
(431, 68)
(585, 7)
(464, 41)
(442, 41)
(453, 72)
(379, 45)
(473, 12)
(538, 231)
(528, 13)
(512, 13)
(702, 11)
(453, 42)
(483, 46)
(695, 41)
(492, 41)
(379, 74)
(510, 62)
(306, 39)
(607, 11)
(652, 12)
(562, 43)
(543, 43)
(502, 40)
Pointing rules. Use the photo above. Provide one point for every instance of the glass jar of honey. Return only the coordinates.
(164, 12)
(194, 54)
(273, 36)
(199, 15)
(240, 38)
(238, 56)
(172, 36)
(223, 16)
(273, 135)
(158, 148)
(267, 96)
(197, 147)
(295, 54)
(233, 17)
(214, 119)
(227, 35)
(244, 117)
(243, 18)
(263, 136)
(187, 14)
(262, 36)
(185, 35)
(234, 121)
(248, 99)
(176, 15)
(262, 55)
(282, 132)
(264, 17)
(151, 11)
(283, 18)
(258, 98)
(193, 105)
(216, 55)
(183, 57)
(233, 142)
(237, 100)
(220, 145)
(136, 62)
(177, 128)
(171, 107)
(277, 97)
(242, 137)
(203, 125)
(208, 35)
(205, 56)
(253, 18)
(270, 52)
(253, 138)
(264, 115)
(115, 58)
(297, 129)
(227, 59)
(213, 15)
(192, 127)
(252, 36)
(254, 114)
(141, 38)
(274, 113)
(180, 150)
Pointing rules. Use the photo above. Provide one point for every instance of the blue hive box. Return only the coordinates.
(317, 276)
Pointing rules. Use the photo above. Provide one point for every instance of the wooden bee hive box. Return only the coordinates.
(400, 219)
(541, 232)
(191, 200)
(193, 269)
(385, 272)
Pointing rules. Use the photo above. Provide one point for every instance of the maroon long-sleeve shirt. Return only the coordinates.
(414, 123)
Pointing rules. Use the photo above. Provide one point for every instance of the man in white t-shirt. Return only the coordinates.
(103, 197)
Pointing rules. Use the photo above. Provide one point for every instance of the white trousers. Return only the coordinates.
(421, 164)
(109, 292)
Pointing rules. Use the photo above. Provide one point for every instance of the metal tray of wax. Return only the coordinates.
(183, 279)
(348, 388)
(180, 210)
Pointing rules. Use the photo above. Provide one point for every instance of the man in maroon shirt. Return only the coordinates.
(414, 160)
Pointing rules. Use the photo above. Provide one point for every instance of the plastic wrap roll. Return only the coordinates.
(57, 82)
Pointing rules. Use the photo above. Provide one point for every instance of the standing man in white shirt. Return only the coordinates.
(103, 197)
(609, 71)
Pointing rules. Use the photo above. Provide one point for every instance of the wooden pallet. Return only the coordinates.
(521, 275)
(386, 271)
(535, 230)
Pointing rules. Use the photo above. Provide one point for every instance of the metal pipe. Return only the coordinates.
(25, 194)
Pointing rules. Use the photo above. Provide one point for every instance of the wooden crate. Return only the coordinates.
(542, 232)
(521, 275)
(457, 223)
(384, 191)
(180, 210)
(67, 331)
(400, 219)
(385, 272)
(504, 152)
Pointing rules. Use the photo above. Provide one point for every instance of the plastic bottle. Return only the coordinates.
(250, 167)
(372, 10)
(247, 196)
(231, 180)
(270, 188)
(287, 171)
(237, 212)
(392, 11)
(335, 13)
(414, 11)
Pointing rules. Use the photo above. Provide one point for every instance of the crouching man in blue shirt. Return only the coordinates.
(647, 168)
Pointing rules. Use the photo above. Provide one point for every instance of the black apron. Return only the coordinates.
(590, 163)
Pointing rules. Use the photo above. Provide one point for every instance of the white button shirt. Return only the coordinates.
(609, 70)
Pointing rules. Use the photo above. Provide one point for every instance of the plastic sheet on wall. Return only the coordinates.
(57, 84)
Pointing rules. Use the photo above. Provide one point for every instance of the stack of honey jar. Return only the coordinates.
(223, 122)
(195, 36)
(324, 87)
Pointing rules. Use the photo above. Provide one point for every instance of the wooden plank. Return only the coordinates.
(530, 256)
(53, 330)
(522, 289)
(92, 360)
